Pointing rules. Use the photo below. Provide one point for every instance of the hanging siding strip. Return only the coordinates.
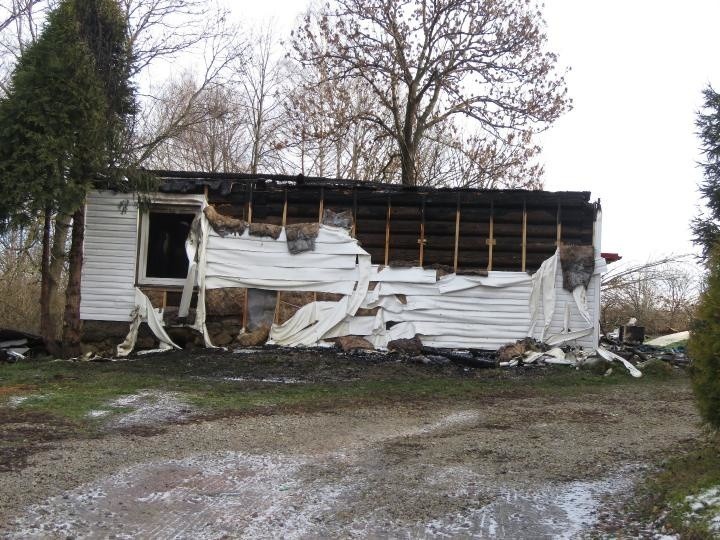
(110, 247)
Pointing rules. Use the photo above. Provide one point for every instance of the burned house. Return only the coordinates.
(218, 259)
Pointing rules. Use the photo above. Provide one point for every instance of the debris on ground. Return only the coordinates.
(353, 343)
(258, 336)
(657, 356)
(674, 355)
(16, 345)
(511, 351)
(409, 346)
(669, 339)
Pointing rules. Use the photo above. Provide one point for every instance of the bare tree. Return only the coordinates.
(212, 136)
(429, 61)
(161, 31)
(20, 22)
(259, 80)
(660, 294)
(323, 133)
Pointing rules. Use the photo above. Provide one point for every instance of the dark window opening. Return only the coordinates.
(166, 256)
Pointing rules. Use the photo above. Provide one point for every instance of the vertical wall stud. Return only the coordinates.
(322, 204)
(558, 241)
(284, 214)
(457, 235)
(353, 232)
(422, 240)
(276, 316)
(250, 203)
(524, 237)
(387, 232)
(491, 236)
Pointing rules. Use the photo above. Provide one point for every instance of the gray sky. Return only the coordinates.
(637, 71)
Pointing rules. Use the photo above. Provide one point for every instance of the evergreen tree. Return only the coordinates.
(707, 228)
(62, 130)
(704, 345)
(51, 124)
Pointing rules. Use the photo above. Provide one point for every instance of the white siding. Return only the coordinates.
(480, 317)
(564, 298)
(110, 253)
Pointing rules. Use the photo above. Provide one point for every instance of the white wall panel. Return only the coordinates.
(110, 253)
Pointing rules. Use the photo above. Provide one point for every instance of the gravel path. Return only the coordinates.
(505, 468)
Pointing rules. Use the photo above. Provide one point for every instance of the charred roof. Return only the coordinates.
(227, 184)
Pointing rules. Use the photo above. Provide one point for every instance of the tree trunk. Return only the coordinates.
(407, 160)
(57, 261)
(72, 326)
(47, 328)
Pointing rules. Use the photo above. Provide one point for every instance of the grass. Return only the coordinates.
(70, 390)
(681, 476)
(57, 396)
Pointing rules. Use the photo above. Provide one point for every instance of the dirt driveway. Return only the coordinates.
(503, 466)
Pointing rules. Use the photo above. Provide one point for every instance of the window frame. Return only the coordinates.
(142, 256)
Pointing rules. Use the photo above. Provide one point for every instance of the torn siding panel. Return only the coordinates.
(564, 299)
(264, 263)
(487, 313)
(110, 253)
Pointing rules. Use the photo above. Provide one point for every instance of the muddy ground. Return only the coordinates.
(531, 463)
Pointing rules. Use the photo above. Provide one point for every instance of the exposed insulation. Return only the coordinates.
(225, 302)
(290, 302)
(156, 296)
(265, 230)
(353, 343)
(578, 265)
(224, 224)
(255, 337)
(301, 237)
(411, 345)
(328, 297)
(342, 219)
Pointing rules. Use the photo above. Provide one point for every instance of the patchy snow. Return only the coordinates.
(561, 510)
(705, 507)
(261, 496)
(98, 413)
(274, 380)
(147, 408)
(16, 401)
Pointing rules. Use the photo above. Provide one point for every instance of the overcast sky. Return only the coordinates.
(637, 71)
